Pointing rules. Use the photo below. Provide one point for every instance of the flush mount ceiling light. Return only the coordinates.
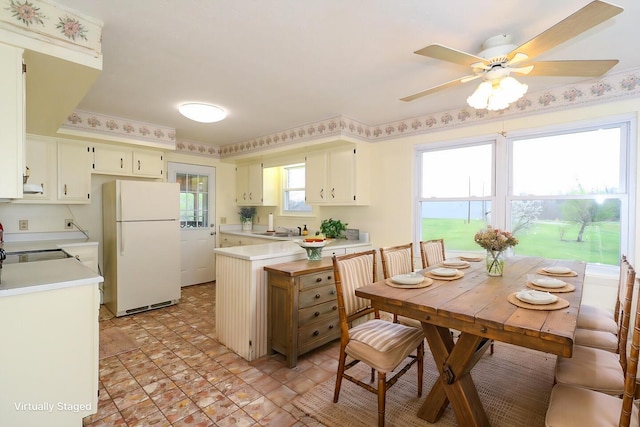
(203, 113)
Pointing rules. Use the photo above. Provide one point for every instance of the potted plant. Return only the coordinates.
(246, 217)
(333, 228)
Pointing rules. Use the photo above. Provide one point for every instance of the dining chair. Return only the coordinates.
(605, 339)
(380, 344)
(432, 252)
(598, 369)
(398, 260)
(600, 319)
(580, 407)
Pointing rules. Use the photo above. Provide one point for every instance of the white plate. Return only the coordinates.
(557, 270)
(536, 297)
(408, 279)
(445, 272)
(454, 262)
(548, 282)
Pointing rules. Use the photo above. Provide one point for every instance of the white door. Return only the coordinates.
(197, 228)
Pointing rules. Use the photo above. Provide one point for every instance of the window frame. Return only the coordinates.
(285, 189)
(502, 174)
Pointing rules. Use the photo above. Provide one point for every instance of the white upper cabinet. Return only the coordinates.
(40, 158)
(338, 176)
(256, 185)
(12, 122)
(127, 161)
(74, 172)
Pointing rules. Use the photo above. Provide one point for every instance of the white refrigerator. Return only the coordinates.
(141, 249)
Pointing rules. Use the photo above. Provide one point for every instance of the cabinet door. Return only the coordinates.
(111, 159)
(255, 184)
(340, 179)
(242, 185)
(74, 172)
(148, 163)
(40, 156)
(315, 175)
(12, 121)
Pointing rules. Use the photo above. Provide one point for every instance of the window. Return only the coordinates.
(294, 189)
(564, 194)
(194, 200)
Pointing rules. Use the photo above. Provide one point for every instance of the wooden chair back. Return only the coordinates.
(432, 252)
(352, 271)
(625, 313)
(631, 371)
(396, 260)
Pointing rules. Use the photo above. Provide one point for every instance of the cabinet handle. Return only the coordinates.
(65, 189)
(317, 313)
(333, 193)
(322, 193)
(319, 279)
(250, 196)
(138, 164)
(244, 196)
(316, 333)
(121, 163)
(317, 296)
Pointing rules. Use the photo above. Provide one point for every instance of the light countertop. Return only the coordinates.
(280, 249)
(28, 277)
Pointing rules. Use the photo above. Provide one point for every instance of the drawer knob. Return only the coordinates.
(329, 277)
(317, 313)
(319, 279)
(330, 326)
(316, 333)
(333, 292)
(335, 307)
(317, 296)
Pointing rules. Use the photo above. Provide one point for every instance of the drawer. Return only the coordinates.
(316, 296)
(319, 331)
(332, 252)
(318, 313)
(317, 279)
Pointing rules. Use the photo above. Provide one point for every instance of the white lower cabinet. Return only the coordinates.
(49, 357)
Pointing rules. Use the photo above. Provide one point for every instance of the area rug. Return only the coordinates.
(514, 385)
(114, 341)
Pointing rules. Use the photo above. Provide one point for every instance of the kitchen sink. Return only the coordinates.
(277, 234)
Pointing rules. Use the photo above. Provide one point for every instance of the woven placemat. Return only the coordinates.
(546, 273)
(426, 282)
(566, 288)
(436, 277)
(558, 305)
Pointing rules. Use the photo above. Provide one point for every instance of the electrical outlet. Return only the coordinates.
(223, 220)
(68, 224)
(23, 224)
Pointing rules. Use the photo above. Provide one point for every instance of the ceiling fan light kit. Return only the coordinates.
(494, 63)
(201, 112)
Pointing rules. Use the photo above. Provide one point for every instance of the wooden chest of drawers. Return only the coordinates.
(302, 307)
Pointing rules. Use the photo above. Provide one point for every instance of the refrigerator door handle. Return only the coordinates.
(122, 233)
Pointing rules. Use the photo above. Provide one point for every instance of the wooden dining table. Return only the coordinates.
(478, 306)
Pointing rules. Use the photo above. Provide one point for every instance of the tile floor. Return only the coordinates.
(180, 375)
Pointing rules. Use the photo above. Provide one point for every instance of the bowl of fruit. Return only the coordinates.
(313, 245)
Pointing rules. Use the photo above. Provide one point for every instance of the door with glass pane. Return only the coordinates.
(197, 229)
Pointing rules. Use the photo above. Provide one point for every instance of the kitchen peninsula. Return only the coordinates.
(241, 290)
(49, 333)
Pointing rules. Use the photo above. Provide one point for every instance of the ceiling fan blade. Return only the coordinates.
(589, 16)
(438, 88)
(518, 57)
(522, 70)
(581, 68)
(448, 54)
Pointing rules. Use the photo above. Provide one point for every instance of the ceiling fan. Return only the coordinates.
(499, 58)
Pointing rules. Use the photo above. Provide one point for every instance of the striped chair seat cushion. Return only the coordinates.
(382, 344)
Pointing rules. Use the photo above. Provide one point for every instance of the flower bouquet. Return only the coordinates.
(495, 242)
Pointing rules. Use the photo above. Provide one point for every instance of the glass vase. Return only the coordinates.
(494, 263)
